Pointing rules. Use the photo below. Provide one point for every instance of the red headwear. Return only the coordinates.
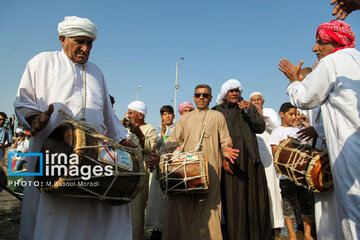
(184, 105)
(337, 31)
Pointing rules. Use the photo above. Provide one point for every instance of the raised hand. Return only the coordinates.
(341, 9)
(291, 71)
(315, 65)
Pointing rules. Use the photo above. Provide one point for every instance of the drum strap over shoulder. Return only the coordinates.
(198, 147)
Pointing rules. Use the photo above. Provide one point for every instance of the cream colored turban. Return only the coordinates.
(138, 106)
(256, 93)
(228, 85)
(75, 26)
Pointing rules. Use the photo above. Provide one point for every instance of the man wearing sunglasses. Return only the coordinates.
(192, 216)
(244, 188)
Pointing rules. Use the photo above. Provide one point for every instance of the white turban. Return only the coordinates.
(305, 112)
(256, 93)
(228, 85)
(75, 26)
(138, 106)
(19, 130)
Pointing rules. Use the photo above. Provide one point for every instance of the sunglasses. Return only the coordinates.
(2, 119)
(205, 95)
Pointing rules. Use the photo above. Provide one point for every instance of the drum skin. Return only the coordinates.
(305, 166)
(184, 177)
(320, 173)
(67, 137)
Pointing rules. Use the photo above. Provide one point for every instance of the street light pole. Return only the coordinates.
(137, 92)
(176, 84)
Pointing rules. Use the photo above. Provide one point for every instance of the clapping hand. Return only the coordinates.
(291, 71)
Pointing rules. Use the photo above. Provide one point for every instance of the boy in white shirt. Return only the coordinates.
(290, 192)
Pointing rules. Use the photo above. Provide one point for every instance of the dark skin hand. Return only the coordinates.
(163, 128)
(39, 122)
(291, 71)
(340, 11)
(307, 133)
(128, 143)
(154, 160)
(344, 7)
(226, 166)
(228, 152)
(244, 104)
(137, 131)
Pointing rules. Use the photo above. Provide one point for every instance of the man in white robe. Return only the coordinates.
(272, 121)
(66, 80)
(334, 85)
(143, 134)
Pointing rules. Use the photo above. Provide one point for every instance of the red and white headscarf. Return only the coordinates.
(337, 31)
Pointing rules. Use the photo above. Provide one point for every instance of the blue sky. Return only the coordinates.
(139, 42)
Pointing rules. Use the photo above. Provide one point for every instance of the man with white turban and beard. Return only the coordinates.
(244, 190)
(271, 122)
(145, 135)
(66, 80)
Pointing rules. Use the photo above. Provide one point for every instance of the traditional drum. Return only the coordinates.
(184, 173)
(78, 162)
(304, 165)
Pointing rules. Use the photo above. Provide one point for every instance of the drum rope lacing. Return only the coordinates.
(170, 157)
(301, 157)
(90, 129)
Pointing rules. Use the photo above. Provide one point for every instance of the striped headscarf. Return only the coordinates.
(337, 31)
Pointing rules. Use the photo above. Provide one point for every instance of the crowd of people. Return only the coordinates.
(246, 197)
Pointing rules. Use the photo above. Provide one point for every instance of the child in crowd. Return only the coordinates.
(290, 192)
(21, 145)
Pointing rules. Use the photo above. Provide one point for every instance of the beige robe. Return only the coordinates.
(138, 205)
(191, 216)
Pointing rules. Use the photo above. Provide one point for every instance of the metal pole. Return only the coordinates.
(176, 85)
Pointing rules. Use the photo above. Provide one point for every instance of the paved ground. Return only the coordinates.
(10, 208)
(9, 216)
